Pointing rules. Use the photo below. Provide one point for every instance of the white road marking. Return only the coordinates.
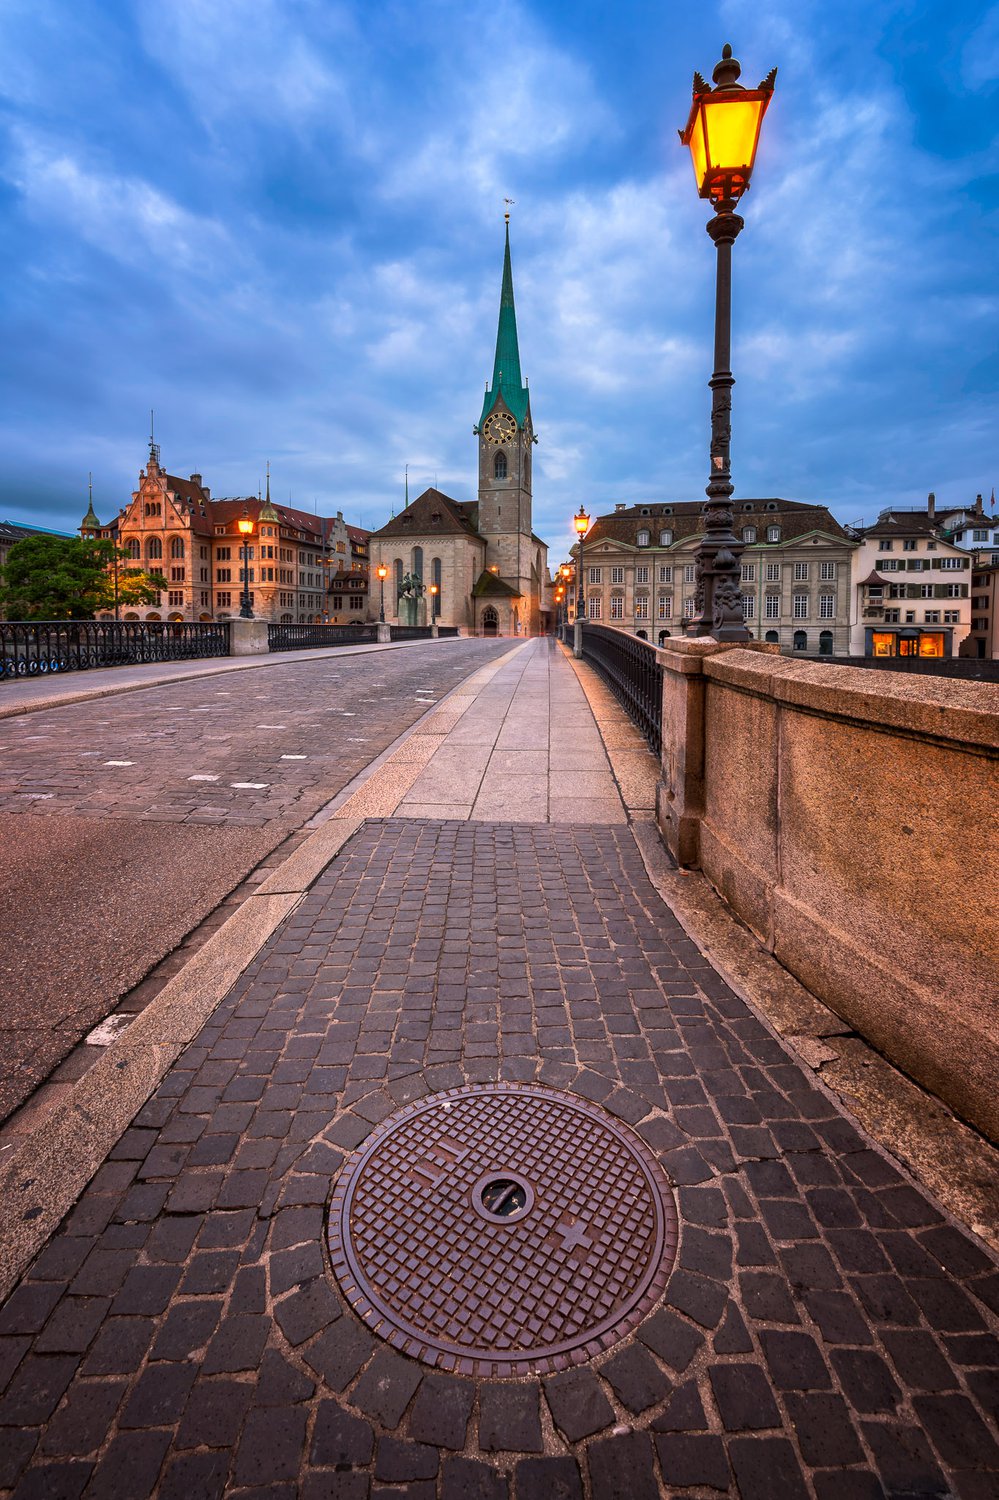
(250, 786)
(294, 757)
(202, 778)
(119, 762)
(272, 726)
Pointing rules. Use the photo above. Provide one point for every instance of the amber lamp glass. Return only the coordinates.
(434, 589)
(723, 130)
(382, 570)
(581, 521)
(246, 525)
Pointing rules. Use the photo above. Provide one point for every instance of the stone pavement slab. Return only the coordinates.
(506, 758)
(826, 1331)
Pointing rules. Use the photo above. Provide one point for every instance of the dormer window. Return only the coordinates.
(643, 538)
(435, 518)
(749, 506)
(644, 510)
(773, 533)
(665, 538)
(771, 505)
(749, 533)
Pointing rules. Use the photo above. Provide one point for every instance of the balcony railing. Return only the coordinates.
(303, 637)
(634, 673)
(33, 648)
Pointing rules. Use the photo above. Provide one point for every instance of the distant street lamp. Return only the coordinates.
(581, 521)
(434, 591)
(246, 531)
(382, 572)
(723, 132)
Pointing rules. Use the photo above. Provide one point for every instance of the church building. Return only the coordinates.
(481, 565)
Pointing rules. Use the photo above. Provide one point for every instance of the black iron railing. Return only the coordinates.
(410, 632)
(33, 648)
(634, 672)
(299, 637)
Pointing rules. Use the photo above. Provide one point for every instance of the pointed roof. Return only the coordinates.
(491, 586)
(90, 521)
(507, 380)
(430, 513)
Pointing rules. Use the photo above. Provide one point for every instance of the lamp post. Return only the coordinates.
(434, 591)
(722, 132)
(581, 522)
(246, 531)
(382, 572)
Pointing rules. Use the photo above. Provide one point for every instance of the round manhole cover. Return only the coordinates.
(501, 1228)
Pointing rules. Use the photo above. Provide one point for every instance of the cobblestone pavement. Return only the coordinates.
(238, 749)
(825, 1332)
(125, 820)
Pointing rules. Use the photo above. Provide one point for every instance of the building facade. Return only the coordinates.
(912, 588)
(488, 567)
(639, 572)
(173, 526)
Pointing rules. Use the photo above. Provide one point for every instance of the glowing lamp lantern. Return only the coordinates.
(382, 572)
(723, 130)
(245, 525)
(434, 591)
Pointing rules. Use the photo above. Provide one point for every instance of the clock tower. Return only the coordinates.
(506, 438)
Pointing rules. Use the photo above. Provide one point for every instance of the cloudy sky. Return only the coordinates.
(279, 223)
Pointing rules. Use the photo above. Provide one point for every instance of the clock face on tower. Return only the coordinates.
(499, 428)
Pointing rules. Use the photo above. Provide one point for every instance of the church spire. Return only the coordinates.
(507, 379)
(90, 521)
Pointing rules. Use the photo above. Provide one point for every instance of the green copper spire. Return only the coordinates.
(507, 380)
(90, 521)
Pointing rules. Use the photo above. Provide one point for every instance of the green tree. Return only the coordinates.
(71, 578)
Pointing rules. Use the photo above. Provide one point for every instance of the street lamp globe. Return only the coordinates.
(723, 130)
(581, 521)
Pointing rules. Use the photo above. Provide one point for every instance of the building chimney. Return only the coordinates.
(196, 479)
(931, 505)
(621, 505)
(979, 506)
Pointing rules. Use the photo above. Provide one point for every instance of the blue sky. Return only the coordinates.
(279, 222)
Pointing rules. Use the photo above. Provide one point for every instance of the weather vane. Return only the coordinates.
(509, 202)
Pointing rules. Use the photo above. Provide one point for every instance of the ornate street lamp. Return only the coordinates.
(382, 572)
(723, 132)
(245, 524)
(434, 591)
(581, 521)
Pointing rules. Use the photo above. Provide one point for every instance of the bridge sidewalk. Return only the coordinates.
(826, 1332)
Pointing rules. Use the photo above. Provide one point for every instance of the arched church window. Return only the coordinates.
(418, 561)
(398, 576)
(499, 466)
(134, 550)
(435, 577)
(154, 547)
(177, 547)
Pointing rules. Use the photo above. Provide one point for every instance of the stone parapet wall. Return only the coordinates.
(849, 818)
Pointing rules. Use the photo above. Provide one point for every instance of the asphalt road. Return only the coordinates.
(125, 820)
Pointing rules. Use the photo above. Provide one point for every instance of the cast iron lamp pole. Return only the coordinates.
(581, 521)
(434, 591)
(246, 531)
(382, 572)
(723, 132)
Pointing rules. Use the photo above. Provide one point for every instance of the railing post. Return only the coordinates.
(248, 637)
